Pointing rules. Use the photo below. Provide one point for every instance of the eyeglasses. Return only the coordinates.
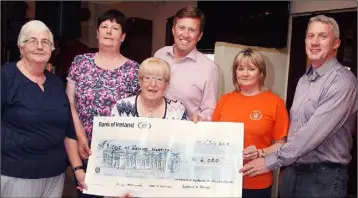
(158, 79)
(34, 42)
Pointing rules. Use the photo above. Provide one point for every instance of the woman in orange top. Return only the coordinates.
(263, 113)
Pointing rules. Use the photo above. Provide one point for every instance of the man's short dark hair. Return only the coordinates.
(191, 12)
(113, 15)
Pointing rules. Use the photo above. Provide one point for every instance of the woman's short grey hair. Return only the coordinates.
(326, 20)
(33, 26)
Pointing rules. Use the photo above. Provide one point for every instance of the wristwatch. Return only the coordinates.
(74, 169)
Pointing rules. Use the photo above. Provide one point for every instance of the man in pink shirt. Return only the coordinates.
(194, 77)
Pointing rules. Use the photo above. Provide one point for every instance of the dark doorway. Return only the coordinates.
(13, 17)
(138, 42)
(169, 39)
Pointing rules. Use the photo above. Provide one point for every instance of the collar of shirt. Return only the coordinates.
(323, 69)
(192, 55)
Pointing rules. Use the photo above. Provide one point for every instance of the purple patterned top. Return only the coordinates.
(97, 89)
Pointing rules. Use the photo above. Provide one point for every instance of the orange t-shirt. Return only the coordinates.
(265, 118)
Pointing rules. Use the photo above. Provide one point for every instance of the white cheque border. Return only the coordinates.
(170, 132)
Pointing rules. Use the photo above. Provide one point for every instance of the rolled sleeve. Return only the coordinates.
(74, 72)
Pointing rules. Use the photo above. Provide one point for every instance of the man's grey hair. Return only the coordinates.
(33, 26)
(326, 20)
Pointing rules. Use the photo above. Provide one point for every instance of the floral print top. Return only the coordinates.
(98, 90)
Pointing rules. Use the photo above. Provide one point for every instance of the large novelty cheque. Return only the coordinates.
(150, 157)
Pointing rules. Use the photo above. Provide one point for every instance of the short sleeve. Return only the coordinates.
(4, 88)
(74, 70)
(217, 110)
(7, 78)
(135, 84)
(281, 121)
(70, 129)
(185, 116)
(125, 107)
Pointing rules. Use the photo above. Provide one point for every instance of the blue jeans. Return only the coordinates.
(314, 180)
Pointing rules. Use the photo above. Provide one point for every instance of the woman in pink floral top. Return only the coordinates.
(97, 80)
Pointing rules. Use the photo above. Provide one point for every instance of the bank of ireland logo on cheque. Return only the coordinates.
(144, 125)
(256, 115)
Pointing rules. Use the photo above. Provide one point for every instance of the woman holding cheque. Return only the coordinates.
(154, 78)
(263, 113)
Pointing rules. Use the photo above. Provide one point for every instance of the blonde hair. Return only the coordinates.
(255, 58)
(154, 66)
(326, 20)
(33, 26)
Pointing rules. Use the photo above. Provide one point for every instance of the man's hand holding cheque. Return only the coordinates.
(254, 167)
(254, 159)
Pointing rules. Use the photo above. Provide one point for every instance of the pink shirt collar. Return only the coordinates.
(192, 55)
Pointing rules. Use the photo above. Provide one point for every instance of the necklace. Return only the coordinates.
(150, 115)
(146, 109)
